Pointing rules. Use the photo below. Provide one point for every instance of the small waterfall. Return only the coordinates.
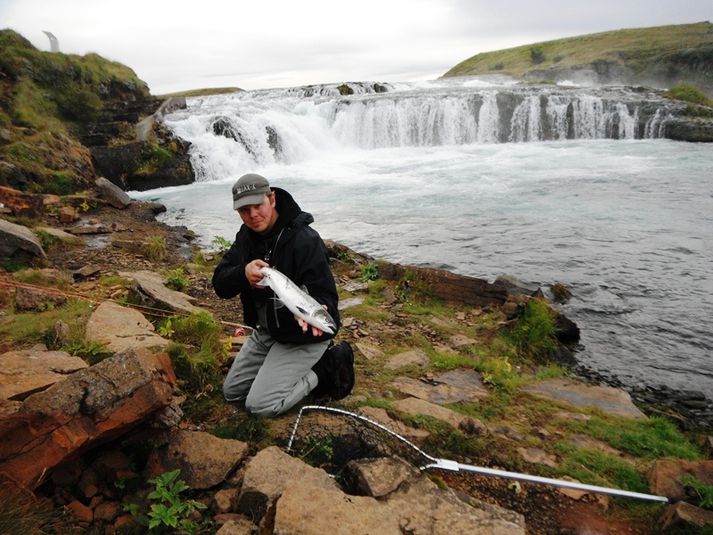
(235, 132)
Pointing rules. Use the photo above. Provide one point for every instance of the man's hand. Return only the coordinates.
(302, 323)
(252, 271)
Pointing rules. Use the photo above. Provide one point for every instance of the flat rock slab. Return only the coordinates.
(381, 416)
(31, 370)
(151, 285)
(204, 459)
(369, 351)
(608, 399)
(449, 387)
(538, 456)
(382, 476)
(414, 357)
(59, 234)
(121, 328)
(665, 476)
(415, 406)
(460, 340)
(351, 302)
(17, 241)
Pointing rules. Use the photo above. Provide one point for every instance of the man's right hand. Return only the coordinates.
(252, 271)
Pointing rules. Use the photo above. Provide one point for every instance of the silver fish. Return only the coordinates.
(299, 302)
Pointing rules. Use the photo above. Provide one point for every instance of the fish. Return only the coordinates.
(297, 301)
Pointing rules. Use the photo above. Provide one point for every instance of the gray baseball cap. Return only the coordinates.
(250, 189)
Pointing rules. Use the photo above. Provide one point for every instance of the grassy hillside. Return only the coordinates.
(634, 50)
(47, 100)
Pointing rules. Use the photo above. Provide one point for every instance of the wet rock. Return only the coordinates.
(204, 459)
(121, 328)
(18, 243)
(605, 398)
(560, 292)
(27, 371)
(89, 407)
(514, 286)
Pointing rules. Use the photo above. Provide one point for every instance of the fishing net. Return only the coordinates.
(330, 437)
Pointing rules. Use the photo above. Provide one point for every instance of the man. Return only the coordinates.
(285, 358)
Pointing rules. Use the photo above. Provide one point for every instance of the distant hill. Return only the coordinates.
(660, 57)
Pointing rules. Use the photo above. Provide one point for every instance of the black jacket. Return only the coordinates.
(293, 248)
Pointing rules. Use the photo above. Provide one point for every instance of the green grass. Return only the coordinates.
(201, 92)
(533, 334)
(689, 93)
(31, 328)
(598, 468)
(650, 438)
(154, 247)
(635, 45)
(448, 361)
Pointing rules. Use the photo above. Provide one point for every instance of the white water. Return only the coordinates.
(626, 224)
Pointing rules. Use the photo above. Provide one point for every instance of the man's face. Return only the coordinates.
(259, 217)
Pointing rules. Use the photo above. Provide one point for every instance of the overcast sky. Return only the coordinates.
(175, 45)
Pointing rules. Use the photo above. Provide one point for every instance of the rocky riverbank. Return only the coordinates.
(443, 360)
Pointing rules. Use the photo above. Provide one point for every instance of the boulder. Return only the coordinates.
(460, 289)
(150, 289)
(18, 243)
(608, 399)
(112, 193)
(121, 328)
(380, 477)
(414, 357)
(665, 476)
(91, 406)
(19, 203)
(685, 516)
(37, 299)
(204, 459)
(31, 370)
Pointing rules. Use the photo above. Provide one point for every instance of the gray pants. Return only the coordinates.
(271, 376)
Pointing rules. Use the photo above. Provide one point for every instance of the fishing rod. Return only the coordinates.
(454, 466)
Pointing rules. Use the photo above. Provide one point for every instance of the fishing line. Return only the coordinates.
(424, 461)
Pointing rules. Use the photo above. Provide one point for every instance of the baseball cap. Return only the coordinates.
(250, 189)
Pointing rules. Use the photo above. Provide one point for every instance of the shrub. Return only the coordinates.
(537, 55)
(176, 279)
(369, 272)
(221, 244)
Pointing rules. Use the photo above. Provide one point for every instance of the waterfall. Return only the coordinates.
(263, 127)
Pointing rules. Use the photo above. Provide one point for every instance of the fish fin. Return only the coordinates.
(302, 311)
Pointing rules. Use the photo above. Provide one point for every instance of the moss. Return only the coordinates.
(689, 93)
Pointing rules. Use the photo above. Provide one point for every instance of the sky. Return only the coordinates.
(177, 45)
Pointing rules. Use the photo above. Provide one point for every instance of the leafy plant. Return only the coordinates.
(369, 272)
(317, 451)
(221, 244)
(167, 509)
(92, 352)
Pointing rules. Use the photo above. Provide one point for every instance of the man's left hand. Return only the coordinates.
(302, 323)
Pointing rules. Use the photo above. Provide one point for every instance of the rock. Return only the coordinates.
(204, 459)
(445, 285)
(605, 398)
(121, 328)
(589, 443)
(414, 357)
(449, 387)
(150, 289)
(683, 515)
(381, 416)
(369, 351)
(574, 494)
(239, 526)
(514, 286)
(459, 340)
(80, 512)
(37, 299)
(19, 203)
(415, 406)
(112, 193)
(86, 272)
(18, 243)
(225, 501)
(269, 473)
(380, 477)
(351, 302)
(665, 476)
(560, 292)
(59, 234)
(87, 408)
(27, 371)
(538, 456)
